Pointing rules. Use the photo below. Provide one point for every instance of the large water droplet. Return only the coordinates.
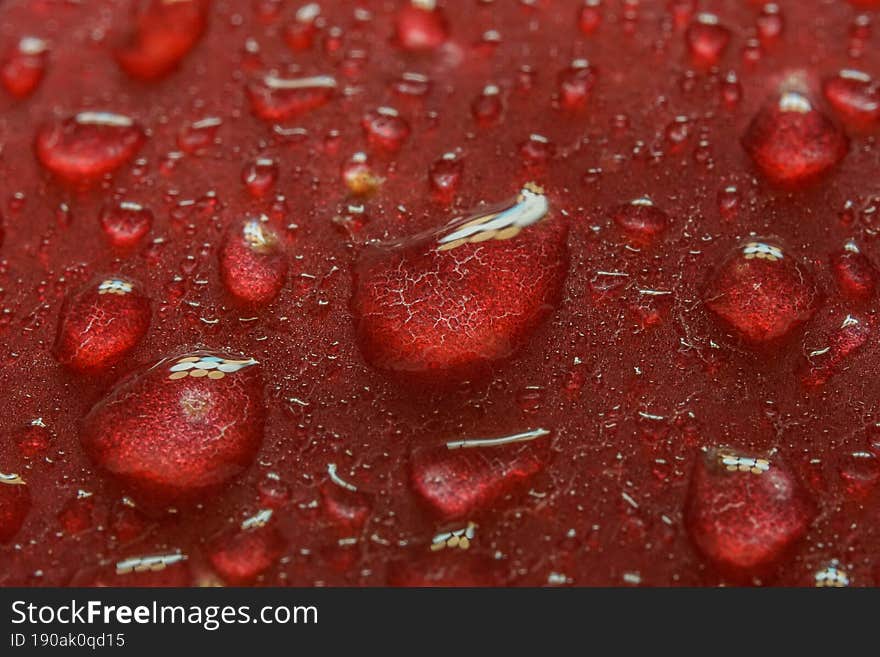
(576, 84)
(743, 511)
(164, 32)
(421, 25)
(252, 264)
(761, 291)
(15, 502)
(179, 428)
(100, 324)
(444, 301)
(790, 141)
(828, 347)
(88, 145)
(126, 223)
(275, 98)
(464, 476)
(241, 555)
(856, 275)
(259, 176)
(24, 66)
(385, 128)
(854, 95)
(707, 39)
(641, 220)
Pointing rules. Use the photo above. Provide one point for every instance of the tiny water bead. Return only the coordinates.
(761, 292)
(163, 33)
(88, 145)
(126, 223)
(180, 428)
(101, 323)
(791, 141)
(461, 477)
(253, 265)
(744, 511)
(15, 503)
(444, 301)
(275, 98)
(24, 66)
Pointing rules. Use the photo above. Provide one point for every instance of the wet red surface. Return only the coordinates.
(735, 319)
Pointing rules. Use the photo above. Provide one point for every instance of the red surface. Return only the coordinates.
(628, 364)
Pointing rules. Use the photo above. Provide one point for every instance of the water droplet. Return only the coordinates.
(731, 90)
(100, 324)
(24, 66)
(241, 555)
(445, 174)
(126, 223)
(743, 512)
(641, 220)
(464, 476)
(828, 347)
(856, 275)
(420, 25)
(729, 203)
(75, 516)
(430, 305)
(854, 95)
(299, 35)
(790, 141)
(34, 438)
(15, 503)
(88, 145)
(359, 175)
(385, 128)
(412, 85)
(590, 16)
(860, 474)
(164, 32)
(180, 428)
(273, 491)
(707, 39)
(770, 23)
(275, 98)
(259, 176)
(487, 107)
(761, 291)
(253, 266)
(576, 84)
(537, 149)
(198, 137)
